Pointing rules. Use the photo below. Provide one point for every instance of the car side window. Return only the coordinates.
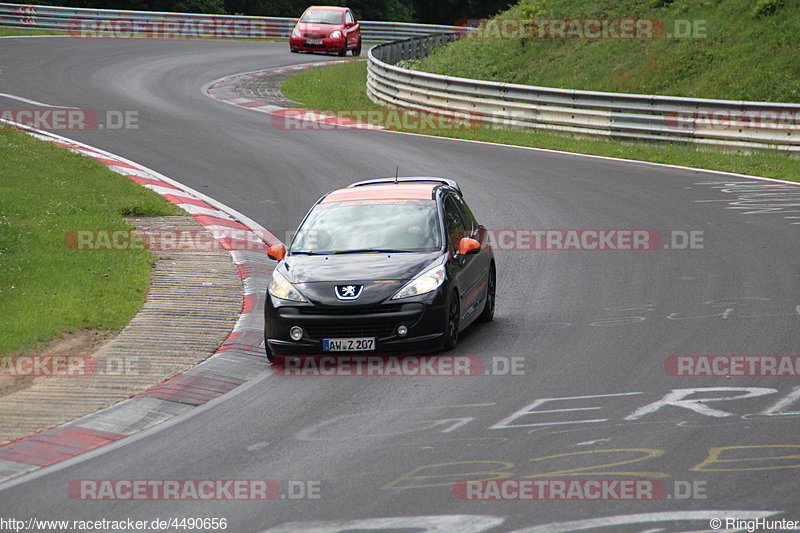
(469, 218)
(348, 17)
(454, 224)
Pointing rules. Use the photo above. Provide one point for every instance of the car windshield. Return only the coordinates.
(369, 226)
(322, 16)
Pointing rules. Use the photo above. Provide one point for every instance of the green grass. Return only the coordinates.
(47, 289)
(14, 32)
(313, 87)
(341, 88)
(748, 51)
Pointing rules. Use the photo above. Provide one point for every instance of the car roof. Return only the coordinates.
(416, 179)
(329, 8)
(385, 191)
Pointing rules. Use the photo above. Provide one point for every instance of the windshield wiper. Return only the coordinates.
(371, 251)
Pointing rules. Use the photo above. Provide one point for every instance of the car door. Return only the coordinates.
(466, 268)
(482, 261)
(351, 29)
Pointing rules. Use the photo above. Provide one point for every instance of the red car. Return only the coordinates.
(327, 29)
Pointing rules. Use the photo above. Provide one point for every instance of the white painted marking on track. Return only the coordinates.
(531, 410)
(484, 523)
(683, 398)
(34, 36)
(33, 102)
(778, 409)
(311, 433)
(197, 210)
(458, 422)
(591, 442)
(423, 524)
(646, 518)
(161, 190)
(125, 171)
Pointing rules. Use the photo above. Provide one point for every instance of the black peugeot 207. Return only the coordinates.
(394, 265)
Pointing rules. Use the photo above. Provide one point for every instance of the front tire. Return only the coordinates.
(491, 290)
(357, 49)
(271, 355)
(453, 322)
(343, 51)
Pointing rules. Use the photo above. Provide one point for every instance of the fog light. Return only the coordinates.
(402, 330)
(296, 333)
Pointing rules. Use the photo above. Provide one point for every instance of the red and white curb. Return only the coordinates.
(224, 90)
(240, 358)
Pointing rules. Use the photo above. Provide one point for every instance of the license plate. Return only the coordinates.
(313, 41)
(354, 344)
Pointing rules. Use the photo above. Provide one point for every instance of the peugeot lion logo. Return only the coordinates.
(348, 292)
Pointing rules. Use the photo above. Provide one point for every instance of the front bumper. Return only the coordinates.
(328, 44)
(425, 319)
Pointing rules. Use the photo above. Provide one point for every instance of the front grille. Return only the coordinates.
(350, 310)
(337, 321)
(350, 330)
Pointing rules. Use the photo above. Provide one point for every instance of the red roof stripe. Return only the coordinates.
(391, 191)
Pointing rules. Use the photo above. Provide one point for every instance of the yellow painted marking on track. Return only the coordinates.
(714, 457)
(649, 453)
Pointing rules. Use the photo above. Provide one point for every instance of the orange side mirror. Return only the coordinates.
(467, 246)
(277, 251)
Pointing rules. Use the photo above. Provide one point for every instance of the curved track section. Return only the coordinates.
(590, 330)
(239, 357)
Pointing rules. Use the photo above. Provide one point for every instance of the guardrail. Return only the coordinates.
(83, 22)
(624, 116)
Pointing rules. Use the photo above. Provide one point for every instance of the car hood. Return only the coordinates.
(323, 29)
(355, 267)
(381, 274)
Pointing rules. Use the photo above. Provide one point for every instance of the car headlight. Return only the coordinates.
(428, 281)
(280, 287)
(296, 33)
(336, 34)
